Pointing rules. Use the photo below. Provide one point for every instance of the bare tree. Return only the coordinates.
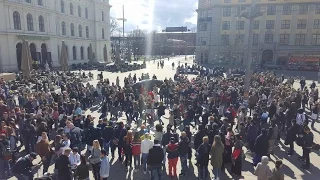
(114, 25)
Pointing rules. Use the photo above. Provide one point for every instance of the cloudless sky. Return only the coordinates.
(155, 14)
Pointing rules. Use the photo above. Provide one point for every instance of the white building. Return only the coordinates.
(46, 23)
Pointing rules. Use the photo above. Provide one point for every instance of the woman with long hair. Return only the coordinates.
(136, 151)
(236, 166)
(217, 151)
(203, 157)
(128, 149)
(43, 149)
(94, 159)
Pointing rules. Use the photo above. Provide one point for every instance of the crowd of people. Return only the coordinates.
(50, 123)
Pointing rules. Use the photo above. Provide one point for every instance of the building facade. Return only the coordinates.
(287, 30)
(46, 23)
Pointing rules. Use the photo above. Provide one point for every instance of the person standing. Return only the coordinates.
(43, 149)
(183, 153)
(173, 155)
(261, 146)
(128, 149)
(74, 159)
(146, 145)
(63, 166)
(216, 152)
(262, 170)
(277, 174)
(306, 147)
(154, 160)
(136, 151)
(23, 167)
(203, 157)
(105, 165)
(94, 159)
(82, 171)
(236, 166)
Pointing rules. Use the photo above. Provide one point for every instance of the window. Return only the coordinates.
(317, 10)
(81, 53)
(202, 41)
(87, 32)
(79, 11)
(62, 6)
(241, 0)
(203, 27)
(302, 24)
(316, 39)
(40, 3)
(28, 1)
(287, 10)
(210, 13)
(86, 12)
(80, 31)
(102, 31)
(225, 25)
(71, 9)
(240, 9)
(255, 39)
(270, 24)
(225, 39)
(226, 12)
(16, 21)
(209, 2)
(300, 39)
(303, 9)
(240, 25)
(256, 24)
(239, 38)
(72, 29)
(102, 16)
(268, 38)
(227, 1)
(41, 24)
(63, 28)
(88, 52)
(316, 24)
(271, 10)
(284, 39)
(285, 24)
(74, 52)
(30, 22)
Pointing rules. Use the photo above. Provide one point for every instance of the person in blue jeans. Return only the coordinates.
(154, 160)
(183, 152)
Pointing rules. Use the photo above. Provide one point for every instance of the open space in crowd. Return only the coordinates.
(177, 120)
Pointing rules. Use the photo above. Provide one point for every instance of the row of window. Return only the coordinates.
(72, 31)
(272, 10)
(270, 24)
(30, 27)
(269, 38)
(40, 2)
(79, 10)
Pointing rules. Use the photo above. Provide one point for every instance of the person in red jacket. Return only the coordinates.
(173, 155)
(136, 151)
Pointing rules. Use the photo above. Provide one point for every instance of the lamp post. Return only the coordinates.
(251, 15)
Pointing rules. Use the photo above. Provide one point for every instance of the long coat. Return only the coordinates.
(203, 154)
(216, 156)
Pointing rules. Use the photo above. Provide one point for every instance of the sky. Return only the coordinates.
(155, 14)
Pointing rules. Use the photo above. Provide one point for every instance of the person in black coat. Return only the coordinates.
(203, 157)
(90, 135)
(198, 136)
(24, 165)
(291, 137)
(107, 134)
(119, 133)
(63, 166)
(161, 111)
(261, 146)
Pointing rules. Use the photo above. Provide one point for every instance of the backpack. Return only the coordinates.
(5, 151)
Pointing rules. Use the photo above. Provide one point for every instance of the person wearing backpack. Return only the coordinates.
(5, 155)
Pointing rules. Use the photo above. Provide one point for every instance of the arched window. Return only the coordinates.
(62, 6)
(81, 52)
(41, 24)
(102, 16)
(30, 22)
(79, 11)
(86, 11)
(63, 28)
(102, 33)
(71, 9)
(16, 20)
(72, 29)
(74, 52)
(80, 31)
(40, 3)
(87, 32)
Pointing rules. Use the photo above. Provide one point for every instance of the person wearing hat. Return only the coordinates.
(263, 170)
(23, 166)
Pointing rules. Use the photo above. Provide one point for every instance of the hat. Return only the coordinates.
(33, 155)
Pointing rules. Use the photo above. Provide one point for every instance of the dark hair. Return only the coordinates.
(103, 151)
(159, 128)
(75, 149)
(156, 141)
(83, 159)
(278, 163)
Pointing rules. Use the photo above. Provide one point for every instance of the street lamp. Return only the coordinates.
(251, 15)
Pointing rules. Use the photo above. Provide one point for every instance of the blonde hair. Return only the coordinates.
(217, 141)
(205, 139)
(96, 144)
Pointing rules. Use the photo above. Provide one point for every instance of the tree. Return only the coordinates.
(114, 25)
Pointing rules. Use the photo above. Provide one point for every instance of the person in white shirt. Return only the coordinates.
(146, 145)
(74, 159)
(66, 143)
(104, 166)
